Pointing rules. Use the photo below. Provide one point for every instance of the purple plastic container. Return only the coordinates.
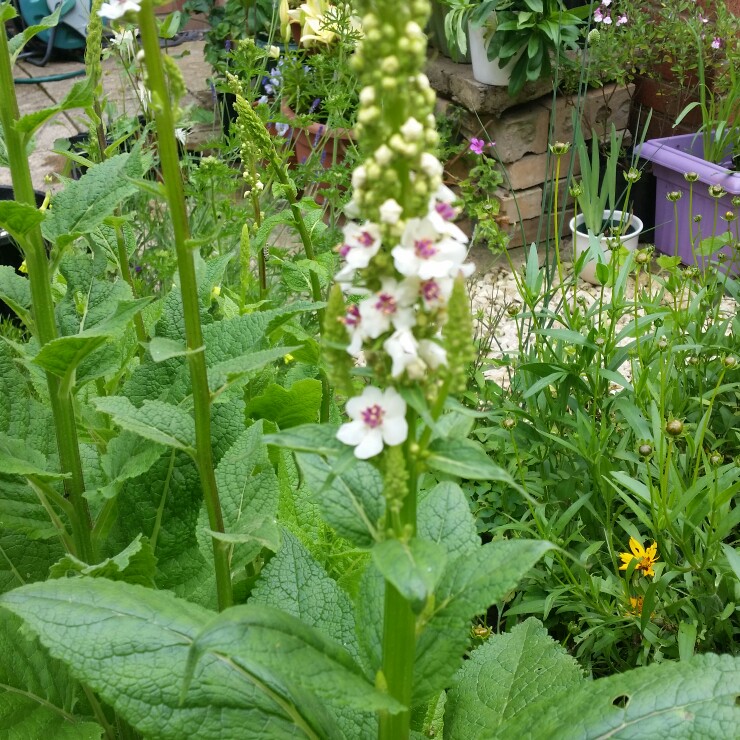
(672, 157)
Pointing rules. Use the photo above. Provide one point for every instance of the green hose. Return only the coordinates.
(49, 78)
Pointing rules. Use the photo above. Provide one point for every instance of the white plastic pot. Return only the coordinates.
(485, 71)
(581, 242)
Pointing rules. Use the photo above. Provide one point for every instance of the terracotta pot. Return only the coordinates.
(330, 145)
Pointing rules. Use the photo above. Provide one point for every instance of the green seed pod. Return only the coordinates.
(674, 428)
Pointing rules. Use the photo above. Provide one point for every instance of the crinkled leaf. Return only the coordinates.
(288, 408)
(22, 563)
(444, 517)
(22, 512)
(249, 493)
(83, 204)
(17, 458)
(135, 564)
(237, 368)
(350, 496)
(15, 291)
(15, 417)
(318, 438)
(504, 676)
(464, 458)
(131, 645)
(19, 218)
(414, 568)
(274, 646)
(475, 581)
(154, 420)
(37, 696)
(694, 698)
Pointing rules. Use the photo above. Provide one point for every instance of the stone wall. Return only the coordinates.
(522, 127)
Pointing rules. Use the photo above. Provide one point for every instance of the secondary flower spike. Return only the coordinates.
(378, 418)
(646, 557)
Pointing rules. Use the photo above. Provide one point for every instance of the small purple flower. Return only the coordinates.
(716, 42)
(227, 44)
(137, 268)
(598, 15)
(622, 20)
(314, 106)
(318, 136)
(282, 129)
(477, 145)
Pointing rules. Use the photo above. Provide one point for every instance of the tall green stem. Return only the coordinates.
(43, 309)
(164, 120)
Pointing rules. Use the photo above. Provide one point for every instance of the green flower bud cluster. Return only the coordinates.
(396, 120)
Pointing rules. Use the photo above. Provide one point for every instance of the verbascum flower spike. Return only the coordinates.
(458, 337)
(335, 339)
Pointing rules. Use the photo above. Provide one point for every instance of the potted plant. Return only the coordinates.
(520, 38)
(698, 175)
(316, 85)
(600, 227)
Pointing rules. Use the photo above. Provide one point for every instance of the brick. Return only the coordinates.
(607, 105)
(521, 131)
(529, 231)
(531, 169)
(526, 204)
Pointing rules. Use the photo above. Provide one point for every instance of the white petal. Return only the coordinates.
(371, 445)
(395, 431)
(352, 433)
(393, 403)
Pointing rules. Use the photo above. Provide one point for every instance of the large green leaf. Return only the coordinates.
(471, 584)
(288, 408)
(694, 698)
(37, 696)
(80, 95)
(22, 562)
(19, 218)
(505, 675)
(159, 422)
(134, 564)
(14, 396)
(16, 292)
(464, 458)
(414, 567)
(131, 645)
(22, 512)
(83, 204)
(444, 517)
(268, 643)
(349, 495)
(17, 458)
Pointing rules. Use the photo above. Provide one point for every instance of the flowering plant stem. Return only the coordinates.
(43, 312)
(164, 120)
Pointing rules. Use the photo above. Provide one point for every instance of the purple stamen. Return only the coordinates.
(353, 316)
(386, 304)
(424, 249)
(344, 250)
(430, 291)
(373, 416)
(445, 210)
(366, 239)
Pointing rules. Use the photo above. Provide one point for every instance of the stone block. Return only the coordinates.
(607, 105)
(526, 204)
(535, 230)
(455, 81)
(532, 169)
(521, 131)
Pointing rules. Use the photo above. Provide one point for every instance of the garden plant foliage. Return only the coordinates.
(196, 541)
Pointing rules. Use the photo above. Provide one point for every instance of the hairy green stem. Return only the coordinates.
(43, 310)
(126, 275)
(165, 123)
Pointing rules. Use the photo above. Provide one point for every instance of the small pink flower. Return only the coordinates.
(716, 42)
(598, 15)
(477, 145)
(621, 20)
(607, 20)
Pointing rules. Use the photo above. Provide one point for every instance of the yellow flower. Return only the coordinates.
(636, 603)
(646, 557)
(23, 268)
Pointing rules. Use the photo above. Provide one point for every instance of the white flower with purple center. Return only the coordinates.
(118, 8)
(378, 419)
(436, 292)
(413, 356)
(361, 244)
(426, 252)
(391, 306)
(353, 321)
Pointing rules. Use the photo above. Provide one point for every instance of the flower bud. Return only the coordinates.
(717, 191)
(674, 428)
(674, 195)
(690, 176)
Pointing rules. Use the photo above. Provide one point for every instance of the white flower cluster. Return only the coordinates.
(429, 254)
(116, 9)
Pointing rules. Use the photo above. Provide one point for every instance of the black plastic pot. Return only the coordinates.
(10, 253)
